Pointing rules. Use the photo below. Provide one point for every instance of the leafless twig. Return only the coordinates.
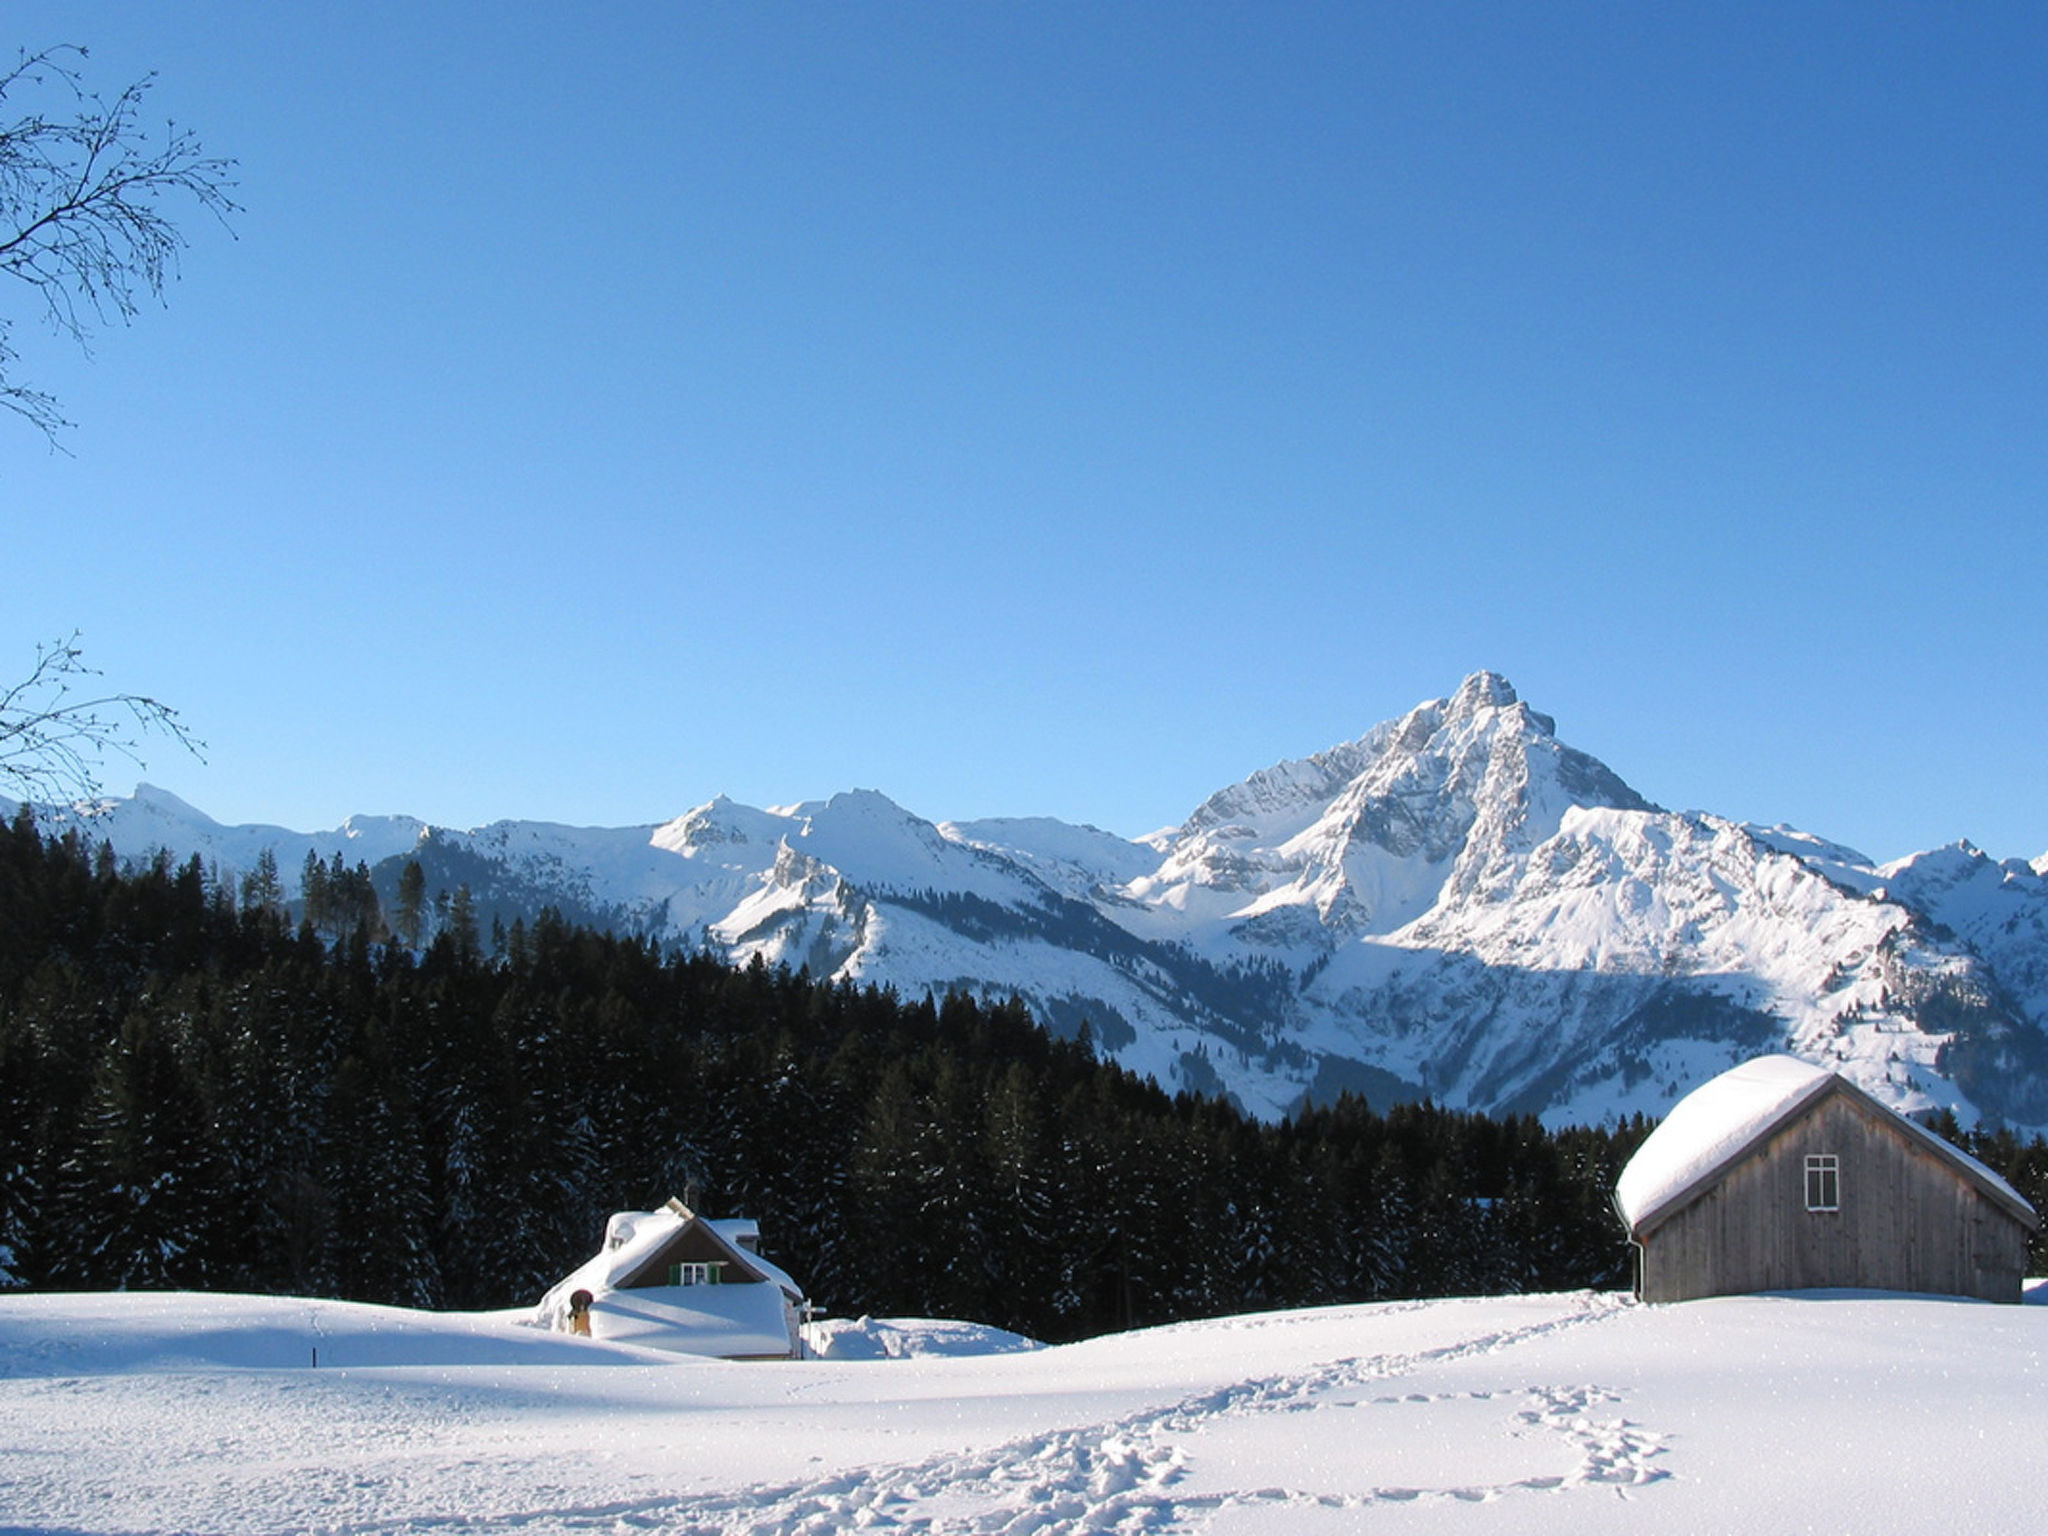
(81, 206)
(56, 726)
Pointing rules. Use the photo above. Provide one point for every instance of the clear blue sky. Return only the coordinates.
(1068, 409)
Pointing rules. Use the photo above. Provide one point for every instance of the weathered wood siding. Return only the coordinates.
(1907, 1222)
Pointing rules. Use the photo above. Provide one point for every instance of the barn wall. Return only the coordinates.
(1908, 1222)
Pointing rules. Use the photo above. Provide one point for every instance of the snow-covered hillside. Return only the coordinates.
(1576, 1413)
(1457, 904)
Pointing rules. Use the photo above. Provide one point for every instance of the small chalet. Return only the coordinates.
(669, 1279)
(1781, 1175)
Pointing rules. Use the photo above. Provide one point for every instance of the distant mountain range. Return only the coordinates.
(1456, 905)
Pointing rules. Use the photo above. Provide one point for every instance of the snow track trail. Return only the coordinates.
(1133, 1473)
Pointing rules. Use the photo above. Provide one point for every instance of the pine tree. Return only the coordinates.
(313, 902)
(1023, 1236)
(891, 1178)
(462, 927)
(958, 1194)
(409, 926)
(381, 1241)
(262, 891)
(473, 1196)
(147, 1183)
(1386, 1230)
(20, 1186)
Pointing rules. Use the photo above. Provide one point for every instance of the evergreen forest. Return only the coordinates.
(201, 1088)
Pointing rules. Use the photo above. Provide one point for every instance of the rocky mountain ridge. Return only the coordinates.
(1457, 905)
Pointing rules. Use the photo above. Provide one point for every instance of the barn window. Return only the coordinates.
(1823, 1182)
(696, 1274)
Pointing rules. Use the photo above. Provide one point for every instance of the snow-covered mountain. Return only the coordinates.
(1457, 904)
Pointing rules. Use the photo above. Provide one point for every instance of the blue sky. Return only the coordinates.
(1067, 409)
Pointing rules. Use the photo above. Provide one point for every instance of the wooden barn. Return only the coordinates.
(1781, 1175)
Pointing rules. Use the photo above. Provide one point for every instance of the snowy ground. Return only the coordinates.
(1573, 1413)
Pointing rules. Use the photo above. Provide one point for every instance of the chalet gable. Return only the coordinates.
(696, 1253)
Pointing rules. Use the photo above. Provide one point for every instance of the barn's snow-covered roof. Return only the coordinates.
(1709, 1126)
(1723, 1118)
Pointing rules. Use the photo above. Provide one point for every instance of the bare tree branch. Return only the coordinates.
(56, 726)
(82, 194)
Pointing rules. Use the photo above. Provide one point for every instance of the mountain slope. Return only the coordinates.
(1456, 904)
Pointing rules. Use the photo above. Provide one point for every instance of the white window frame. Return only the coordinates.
(1823, 1181)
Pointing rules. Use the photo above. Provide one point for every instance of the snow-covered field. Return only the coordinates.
(1572, 1413)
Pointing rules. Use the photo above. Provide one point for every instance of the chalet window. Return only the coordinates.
(696, 1274)
(1823, 1182)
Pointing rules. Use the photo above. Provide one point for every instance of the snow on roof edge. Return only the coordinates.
(1723, 1119)
(1709, 1128)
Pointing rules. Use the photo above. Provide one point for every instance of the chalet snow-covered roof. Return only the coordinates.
(724, 1319)
(1722, 1119)
(632, 1238)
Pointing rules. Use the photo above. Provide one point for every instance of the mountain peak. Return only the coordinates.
(867, 802)
(164, 803)
(1483, 690)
